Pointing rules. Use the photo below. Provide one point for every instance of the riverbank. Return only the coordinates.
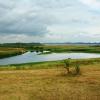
(50, 82)
(73, 48)
(9, 52)
(49, 64)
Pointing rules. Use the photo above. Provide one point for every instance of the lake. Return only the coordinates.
(34, 57)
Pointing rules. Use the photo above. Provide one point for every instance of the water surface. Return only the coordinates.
(34, 57)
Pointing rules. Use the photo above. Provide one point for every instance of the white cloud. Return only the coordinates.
(91, 3)
(19, 38)
(49, 20)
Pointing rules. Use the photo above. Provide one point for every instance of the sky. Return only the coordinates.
(49, 21)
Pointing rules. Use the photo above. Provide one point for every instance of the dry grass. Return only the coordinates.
(50, 84)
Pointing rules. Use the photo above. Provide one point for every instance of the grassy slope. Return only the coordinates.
(50, 84)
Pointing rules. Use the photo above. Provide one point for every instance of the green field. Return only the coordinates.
(8, 52)
(73, 48)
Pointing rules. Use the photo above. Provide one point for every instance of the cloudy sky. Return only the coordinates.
(49, 21)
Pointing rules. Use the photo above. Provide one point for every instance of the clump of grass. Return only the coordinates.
(77, 69)
(68, 68)
(67, 65)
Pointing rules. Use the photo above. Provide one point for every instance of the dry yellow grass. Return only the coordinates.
(50, 84)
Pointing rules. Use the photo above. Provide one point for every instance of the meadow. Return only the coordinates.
(73, 48)
(50, 81)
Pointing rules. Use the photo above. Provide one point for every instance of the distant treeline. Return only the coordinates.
(75, 43)
(20, 45)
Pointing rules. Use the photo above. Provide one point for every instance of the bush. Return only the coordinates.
(67, 65)
(77, 69)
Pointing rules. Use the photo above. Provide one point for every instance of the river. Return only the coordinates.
(34, 57)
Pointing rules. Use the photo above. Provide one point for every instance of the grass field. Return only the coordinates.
(73, 48)
(7, 52)
(51, 84)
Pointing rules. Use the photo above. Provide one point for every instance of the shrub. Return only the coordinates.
(67, 65)
(77, 69)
